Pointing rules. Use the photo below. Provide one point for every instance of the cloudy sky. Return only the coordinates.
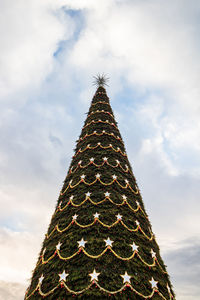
(49, 51)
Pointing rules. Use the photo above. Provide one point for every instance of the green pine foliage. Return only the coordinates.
(100, 118)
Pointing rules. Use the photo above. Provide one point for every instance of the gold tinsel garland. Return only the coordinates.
(94, 282)
(118, 164)
(82, 180)
(124, 202)
(56, 228)
(100, 134)
(99, 121)
(99, 145)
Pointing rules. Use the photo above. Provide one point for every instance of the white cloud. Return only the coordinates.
(16, 249)
(155, 41)
(184, 264)
(153, 46)
(11, 290)
(30, 32)
(150, 48)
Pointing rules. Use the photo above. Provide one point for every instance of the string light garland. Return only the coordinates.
(101, 93)
(138, 227)
(82, 180)
(124, 202)
(99, 145)
(105, 161)
(169, 292)
(94, 282)
(108, 248)
(100, 121)
(100, 111)
(100, 102)
(100, 134)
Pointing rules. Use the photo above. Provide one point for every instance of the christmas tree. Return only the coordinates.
(100, 244)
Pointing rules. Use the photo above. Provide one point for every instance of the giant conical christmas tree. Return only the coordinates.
(99, 244)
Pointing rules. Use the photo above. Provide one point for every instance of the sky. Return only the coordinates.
(49, 52)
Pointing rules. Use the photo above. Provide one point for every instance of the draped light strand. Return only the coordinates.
(99, 145)
(118, 164)
(101, 93)
(100, 134)
(124, 202)
(138, 227)
(100, 111)
(108, 248)
(94, 282)
(100, 121)
(100, 102)
(82, 180)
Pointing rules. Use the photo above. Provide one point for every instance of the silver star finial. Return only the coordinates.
(100, 80)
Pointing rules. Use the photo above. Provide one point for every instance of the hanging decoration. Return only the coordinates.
(100, 102)
(126, 278)
(107, 197)
(81, 246)
(81, 243)
(108, 242)
(94, 275)
(82, 180)
(100, 111)
(99, 145)
(99, 121)
(153, 283)
(94, 281)
(134, 247)
(100, 134)
(138, 227)
(63, 276)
